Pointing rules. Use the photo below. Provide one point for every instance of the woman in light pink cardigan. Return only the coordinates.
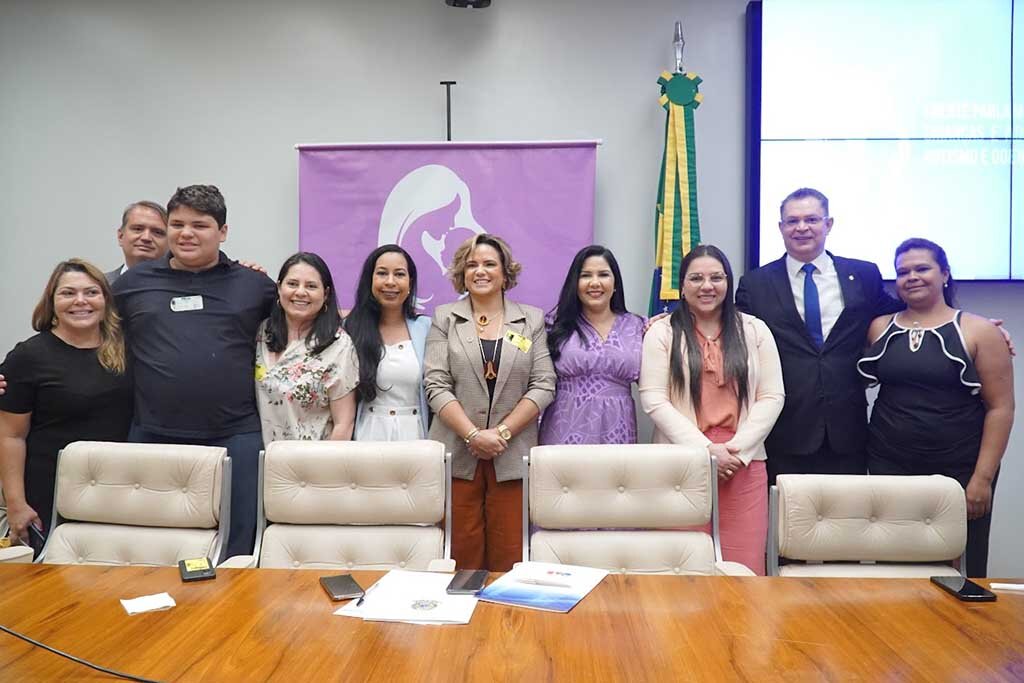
(733, 405)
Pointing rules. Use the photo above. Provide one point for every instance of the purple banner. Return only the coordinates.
(430, 197)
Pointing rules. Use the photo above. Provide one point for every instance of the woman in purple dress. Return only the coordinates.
(595, 344)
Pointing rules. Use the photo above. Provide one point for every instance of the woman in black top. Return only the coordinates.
(67, 383)
(945, 403)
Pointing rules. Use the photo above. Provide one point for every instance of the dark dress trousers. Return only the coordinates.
(823, 425)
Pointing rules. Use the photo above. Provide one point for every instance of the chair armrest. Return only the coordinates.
(723, 568)
(16, 554)
(441, 565)
(238, 562)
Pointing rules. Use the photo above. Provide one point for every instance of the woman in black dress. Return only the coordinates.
(67, 383)
(945, 402)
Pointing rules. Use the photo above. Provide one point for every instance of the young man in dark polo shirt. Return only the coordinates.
(190, 320)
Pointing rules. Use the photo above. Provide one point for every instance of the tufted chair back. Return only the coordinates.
(634, 509)
(139, 504)
(354, 504)
(866, 525)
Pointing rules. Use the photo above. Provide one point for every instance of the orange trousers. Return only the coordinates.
(487, 521)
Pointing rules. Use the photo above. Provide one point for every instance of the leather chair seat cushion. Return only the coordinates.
(105, 544)
(288, 546)
(868, 571)
(629, 552)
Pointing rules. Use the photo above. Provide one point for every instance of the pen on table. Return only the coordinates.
(365, 593)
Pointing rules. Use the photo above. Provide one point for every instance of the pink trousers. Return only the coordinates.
(742, 510)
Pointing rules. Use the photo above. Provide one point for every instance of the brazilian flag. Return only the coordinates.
(676, 224)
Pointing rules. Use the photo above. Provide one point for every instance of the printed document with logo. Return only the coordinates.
(414, 598)
(539, 585)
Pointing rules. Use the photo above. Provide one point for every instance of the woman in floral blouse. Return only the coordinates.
(306, 367)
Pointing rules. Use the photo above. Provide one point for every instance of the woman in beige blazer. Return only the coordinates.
(487, 376)
(730, 408)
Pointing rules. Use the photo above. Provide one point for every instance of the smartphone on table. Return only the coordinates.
(964, 589)
(467, 582)
(341, 587)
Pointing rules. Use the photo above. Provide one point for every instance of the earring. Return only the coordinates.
(945, 285)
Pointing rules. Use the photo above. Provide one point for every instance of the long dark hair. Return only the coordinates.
(939, 254)
(568, 310)
(325, 328)
(734, 346)
(363, 321)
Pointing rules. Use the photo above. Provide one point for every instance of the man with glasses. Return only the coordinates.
(818, 307)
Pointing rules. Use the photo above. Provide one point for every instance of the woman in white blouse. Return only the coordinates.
(306, 367)
(389, 339)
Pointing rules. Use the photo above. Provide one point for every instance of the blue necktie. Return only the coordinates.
(812, 307)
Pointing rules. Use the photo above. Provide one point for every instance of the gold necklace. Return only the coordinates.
(482, 321)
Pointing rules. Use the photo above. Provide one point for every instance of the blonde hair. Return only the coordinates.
(111, 350)
(509, 266)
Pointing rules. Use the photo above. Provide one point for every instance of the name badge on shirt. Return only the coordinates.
(187, 303)
(518, 341)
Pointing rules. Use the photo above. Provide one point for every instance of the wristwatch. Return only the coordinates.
(504, 432)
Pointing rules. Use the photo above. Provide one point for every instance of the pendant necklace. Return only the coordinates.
(489, 372)
(916, 337)
(482, 321)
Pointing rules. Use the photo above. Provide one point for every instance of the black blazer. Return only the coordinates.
(824, 393)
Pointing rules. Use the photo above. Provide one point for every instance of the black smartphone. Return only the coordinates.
(36, 540)
(341, 587)
(964, 589)
(467, 582)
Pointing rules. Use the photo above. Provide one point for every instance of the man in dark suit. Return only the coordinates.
(142, 236)
(818, 307)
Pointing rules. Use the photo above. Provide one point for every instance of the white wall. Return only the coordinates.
(102, 103)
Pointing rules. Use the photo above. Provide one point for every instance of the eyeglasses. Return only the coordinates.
(699, 278)
(809, 221)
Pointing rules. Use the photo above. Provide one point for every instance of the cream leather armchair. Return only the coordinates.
(866, 525)
(627, 509)
(352, 505)
(139, 504)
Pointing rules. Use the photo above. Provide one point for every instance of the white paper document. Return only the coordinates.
(413, 598)
(148, 603)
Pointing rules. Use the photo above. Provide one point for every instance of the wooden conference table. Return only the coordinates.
(256, 625)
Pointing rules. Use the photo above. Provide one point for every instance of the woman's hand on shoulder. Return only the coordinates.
(998, 322)
(3, 385)
(985, 334)
(653, 319)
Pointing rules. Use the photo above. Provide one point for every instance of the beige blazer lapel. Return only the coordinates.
(515, 320)
(462, 311)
